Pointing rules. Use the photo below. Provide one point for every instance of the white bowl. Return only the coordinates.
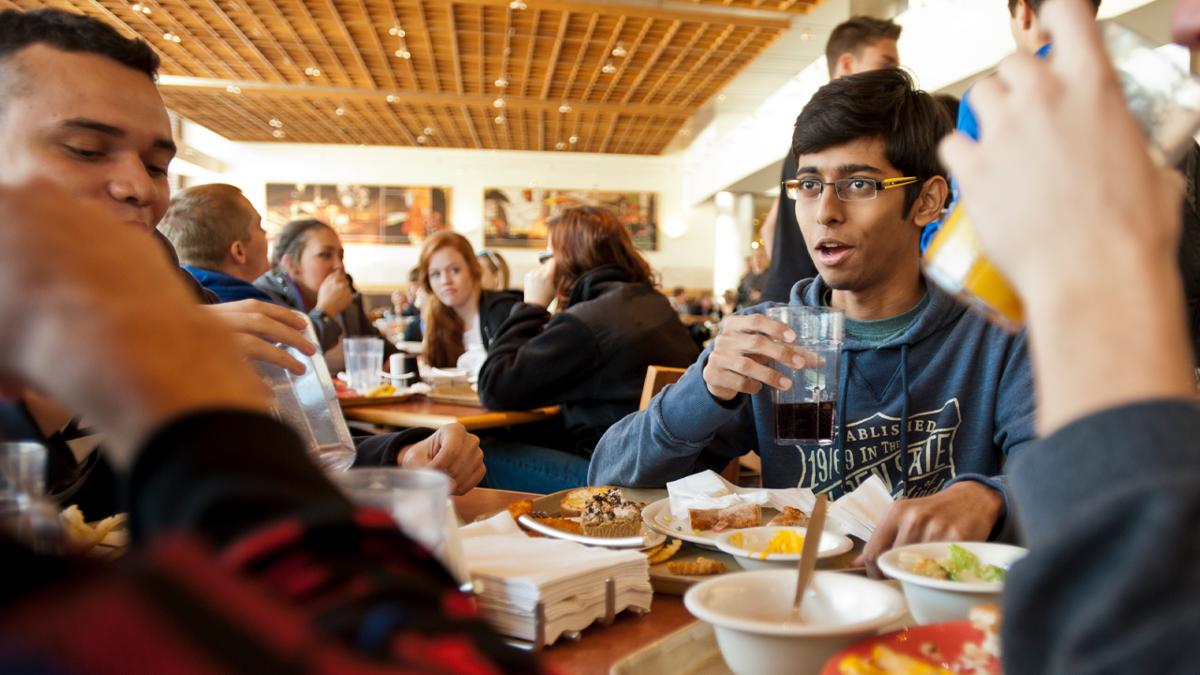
(755, 540)
(932, 600)
(751, 615)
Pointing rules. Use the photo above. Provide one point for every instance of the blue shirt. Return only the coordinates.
(228, 288)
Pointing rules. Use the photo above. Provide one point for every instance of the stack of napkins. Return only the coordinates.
(861, 511)
(513, 572)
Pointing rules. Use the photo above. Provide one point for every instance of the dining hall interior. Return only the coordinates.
(629, 336)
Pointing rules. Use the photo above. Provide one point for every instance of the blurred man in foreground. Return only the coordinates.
(244, 557)
(1109, 497)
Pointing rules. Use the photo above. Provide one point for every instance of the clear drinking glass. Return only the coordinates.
(364, 361)
(417, 499)
(1163, 96)
(308, 404)
(805, 414)
(25, 513)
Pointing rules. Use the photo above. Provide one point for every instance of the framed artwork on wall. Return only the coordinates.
(517, 216)
(367, 214)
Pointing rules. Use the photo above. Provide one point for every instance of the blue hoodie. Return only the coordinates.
(954, 389)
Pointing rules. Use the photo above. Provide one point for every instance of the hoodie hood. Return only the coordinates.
(943, 311)
(595, 282)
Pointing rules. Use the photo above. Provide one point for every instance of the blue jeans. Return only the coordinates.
(512, 465)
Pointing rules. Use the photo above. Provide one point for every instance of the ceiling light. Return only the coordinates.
(564, 108)
(518, 5)
(573, 140)
(275, 122)
(278, 133)
(499, 119)
(312, 71)
(805, 35)
(339, 111)
(498, 103)
(139, 7)
(404, 54)
(421, 140)
(501, 83)
(171, 37)
(396, 31)
(608, 68)
(392, 98)
(560, 146)
(428, 131)
(619, 50)
(233, 89)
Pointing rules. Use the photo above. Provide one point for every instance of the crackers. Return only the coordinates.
(699, 567)
(656, 555)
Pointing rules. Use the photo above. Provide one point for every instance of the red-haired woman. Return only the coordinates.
(590, 358)
(459, 315)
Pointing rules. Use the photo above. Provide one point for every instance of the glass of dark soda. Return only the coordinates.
(805, 414)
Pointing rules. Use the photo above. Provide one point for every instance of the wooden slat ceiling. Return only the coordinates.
(572, 76)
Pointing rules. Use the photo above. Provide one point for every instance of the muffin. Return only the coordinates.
(608, 514)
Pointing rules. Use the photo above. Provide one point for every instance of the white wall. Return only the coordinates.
(685, 244)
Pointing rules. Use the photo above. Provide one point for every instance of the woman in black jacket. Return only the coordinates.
(459, 316)
(308, 273)
(590, 358)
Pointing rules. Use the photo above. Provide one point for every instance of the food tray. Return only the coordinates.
(691, 650)
(551, 505)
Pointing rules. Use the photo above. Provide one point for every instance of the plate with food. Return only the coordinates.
(705, 525)
(936, 649)
(595, 516)
(380, 395)
(774, 546)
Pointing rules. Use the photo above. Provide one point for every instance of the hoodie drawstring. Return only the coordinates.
(904, 460)
(840, 429)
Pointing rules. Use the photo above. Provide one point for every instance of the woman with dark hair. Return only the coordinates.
(307, 273)
(590, 358)
(459, 315)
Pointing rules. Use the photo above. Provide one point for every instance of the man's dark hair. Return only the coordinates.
(882, 104)
(73, 33)
(856, 34)
(1036, 6)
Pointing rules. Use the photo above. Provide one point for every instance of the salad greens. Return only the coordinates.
(962, 565)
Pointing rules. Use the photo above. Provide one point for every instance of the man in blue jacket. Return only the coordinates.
(219, 238)
(933, 398)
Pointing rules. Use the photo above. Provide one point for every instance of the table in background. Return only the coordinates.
(421, 412)
(600, 646)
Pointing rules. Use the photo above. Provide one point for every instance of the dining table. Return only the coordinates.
(599, 647)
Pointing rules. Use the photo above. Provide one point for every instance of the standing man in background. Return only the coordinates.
(857, 45)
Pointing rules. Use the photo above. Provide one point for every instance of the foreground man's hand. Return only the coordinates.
(258, 326)
(1063, 193)
(965, 511)
(451, 450)
(116, 335)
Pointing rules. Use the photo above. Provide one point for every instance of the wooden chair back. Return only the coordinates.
(657, 377)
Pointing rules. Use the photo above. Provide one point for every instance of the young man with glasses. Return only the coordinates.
(933, 398)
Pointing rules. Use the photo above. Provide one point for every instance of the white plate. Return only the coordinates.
(755, 540)
(647, 539)
(657, 517)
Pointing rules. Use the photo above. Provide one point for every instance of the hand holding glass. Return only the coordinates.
(805, 413)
